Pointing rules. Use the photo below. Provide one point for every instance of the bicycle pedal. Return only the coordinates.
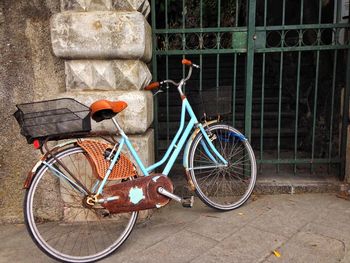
(105, 213)
(187, 201)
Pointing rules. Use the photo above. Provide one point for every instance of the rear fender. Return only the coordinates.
(32, 173)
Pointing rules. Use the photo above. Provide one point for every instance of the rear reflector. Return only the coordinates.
(36, 144)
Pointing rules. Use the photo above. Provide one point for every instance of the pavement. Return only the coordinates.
(268, 228)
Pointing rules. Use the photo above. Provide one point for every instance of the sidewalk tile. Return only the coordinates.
(247, 245)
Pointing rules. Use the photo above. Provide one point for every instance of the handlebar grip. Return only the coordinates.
(186, 62)
(152, 86)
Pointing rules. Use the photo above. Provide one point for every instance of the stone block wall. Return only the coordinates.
(101, 35)
(106, 75)
(31, 71)
(106, 45)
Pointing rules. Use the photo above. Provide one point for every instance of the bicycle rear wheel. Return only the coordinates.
(60, 222)
(222, 187)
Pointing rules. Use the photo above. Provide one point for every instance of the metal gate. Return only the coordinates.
(286, 63)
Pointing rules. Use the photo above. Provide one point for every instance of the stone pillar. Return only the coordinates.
(106, 45)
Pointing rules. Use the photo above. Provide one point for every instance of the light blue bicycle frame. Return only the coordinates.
(173, 150)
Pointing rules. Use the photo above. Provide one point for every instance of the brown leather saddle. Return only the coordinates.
(105, 109)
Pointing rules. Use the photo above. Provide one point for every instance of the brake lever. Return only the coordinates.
(158, 91)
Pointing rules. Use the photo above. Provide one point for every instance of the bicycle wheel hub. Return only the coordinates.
(89, 201)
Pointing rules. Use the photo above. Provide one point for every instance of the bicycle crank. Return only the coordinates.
(186, 202)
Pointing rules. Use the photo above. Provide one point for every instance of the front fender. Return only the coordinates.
(187, 151)
(190, 141)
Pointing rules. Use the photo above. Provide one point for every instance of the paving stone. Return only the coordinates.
(8, 232)
(188, 246)
(246, 213)
(11, 251)
(335, 216)
(143, 236)
(141, 6)
(219, 255)
(318, 200)
(173, 235)
(106, 75)
(212, 227)
(286, 218)
(322, 244)
(180, 215)
(292, 254)
(101, 35)
(310, 247)
(247, 245)
(135, 119)
(333, 230)
(339, 205)
(235, 219)
(160, 227)
(346, 258)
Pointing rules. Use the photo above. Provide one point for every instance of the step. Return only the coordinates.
(271, 182)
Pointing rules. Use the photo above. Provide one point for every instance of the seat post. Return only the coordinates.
(120, 130)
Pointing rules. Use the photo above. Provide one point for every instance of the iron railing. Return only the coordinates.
(288, 74)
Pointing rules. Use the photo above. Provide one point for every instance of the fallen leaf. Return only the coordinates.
(254, 198)
(240, 214)
(276, 253)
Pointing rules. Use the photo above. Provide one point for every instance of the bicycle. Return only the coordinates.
(83, 196)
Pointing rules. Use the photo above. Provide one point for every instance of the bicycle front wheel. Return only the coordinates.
(219, 186)
(59, 220)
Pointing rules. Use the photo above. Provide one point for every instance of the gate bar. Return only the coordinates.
(335, 58)
(263, 96)
(316, 86)
(250, 69)
(167, 75)
(298, 92)
(332, 107)
(154, 73)
(200, 44)
(218, 40)
(234, 86)
(280, 89)
(345, 121)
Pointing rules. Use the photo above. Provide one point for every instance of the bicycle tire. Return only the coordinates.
(223, 188)
(61, 226)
